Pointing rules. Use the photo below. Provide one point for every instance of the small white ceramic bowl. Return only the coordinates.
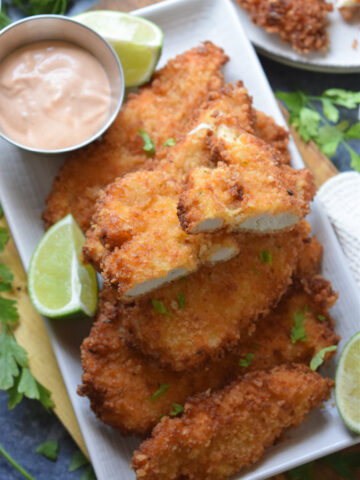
(55, 27)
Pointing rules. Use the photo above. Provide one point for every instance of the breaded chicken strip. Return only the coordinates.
(162, 109)
(223, 432)
(246, 190)
(190, 320)
(301, 23)
(136, 240)
(121, 382)
(276, 136)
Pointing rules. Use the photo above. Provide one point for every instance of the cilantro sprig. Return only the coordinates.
(32, 7)
(324, 129)
(14, 463)
(49, 449)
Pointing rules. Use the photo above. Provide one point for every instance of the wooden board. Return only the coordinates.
(31, 332)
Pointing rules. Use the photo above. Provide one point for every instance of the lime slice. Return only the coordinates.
(59, 284)
(136, 41)
(347, 384)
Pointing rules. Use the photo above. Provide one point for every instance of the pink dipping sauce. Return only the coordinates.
(53, 95)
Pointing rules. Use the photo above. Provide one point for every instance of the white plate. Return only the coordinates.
(25, 180)
(340, 57)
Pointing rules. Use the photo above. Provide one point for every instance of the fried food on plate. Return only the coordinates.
(301, 23)
(267, 129)
(201, 316)
(120, 382)
(162, 109)
(246, 188)
(223, 432)
(136, 240)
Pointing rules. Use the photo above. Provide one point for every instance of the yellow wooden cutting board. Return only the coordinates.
(31, 332)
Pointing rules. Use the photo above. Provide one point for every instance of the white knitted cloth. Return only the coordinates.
(340, 197)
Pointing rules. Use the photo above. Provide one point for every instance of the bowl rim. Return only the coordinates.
(118, 63)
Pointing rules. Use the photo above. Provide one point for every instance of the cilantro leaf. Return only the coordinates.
(304, 472)
(294, 101)
(89, 474)
(353, 132)
(343, 463)
(330, 111)
(176, 410)
(309, 123)
(49, 450)
(355, 158)
(8, 311)
(45, 396)
(328, 139)
(160, 307)
(6, 277)
(181, 300)
(15, 396)
(78, 461)
(266, 257)
(4, 237)
(318, 359)
(11, 356)
(1, 211)
(170, 142)
(246, 362)
(28, 385)
(298, 332)
(159, 392)
(148, 146)
(4, 21)
(345, 98)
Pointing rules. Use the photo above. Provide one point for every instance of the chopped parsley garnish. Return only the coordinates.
(49, 450)
(246, 362)
(159, 392)
(170, 142)
(321, 318)
(78, 461)
(266, 257)
(176, 410)
(319, 357)
(160, 307)
(6, 277)
(148, 146)
(298, 331)
(181, 300)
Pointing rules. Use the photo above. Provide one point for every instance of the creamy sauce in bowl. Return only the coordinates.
(53, 95)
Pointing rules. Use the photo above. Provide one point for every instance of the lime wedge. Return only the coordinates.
(59, 284)
(136, 41)
(347, 384)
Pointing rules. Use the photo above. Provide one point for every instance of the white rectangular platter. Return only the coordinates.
(25, 180)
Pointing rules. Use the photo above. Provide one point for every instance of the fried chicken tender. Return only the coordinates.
(162, 109)
(300, 23)
(136, 240)
(120, 382)
(223, 432)
(220, 304)
(267, 129)
(246, 190)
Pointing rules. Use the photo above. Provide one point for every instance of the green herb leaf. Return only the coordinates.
(176, 410)
(4, 21)
(298, 332)
(14, 463)
(8, 311)
(28, 385)
(345, 98)
(89, 474)
(343, 463)
(246, 362)
(355, 158)
(49, 450)
(318, 359)
(266, 257)
(1, 211)
(45, 396)
(159, 392)
(330, 111)
(160, 307)
(321, 318)
(170, 142)
(294, 101)
(15, 396)
(4, 238)
(309, 123)
(353, 132)
(6, 277)
(328, 139)
(78, 461)
(11, 356)
(181, 300)
(149, 146)
(304, 472)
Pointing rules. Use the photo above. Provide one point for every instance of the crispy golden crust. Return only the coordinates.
(301, 23)
(267, 129)
(222, 303)
(162, 108)
(221, 433)
(135, 239)
(247, 188)
(119, 381)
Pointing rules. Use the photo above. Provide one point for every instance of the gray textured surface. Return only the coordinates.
(23, 429)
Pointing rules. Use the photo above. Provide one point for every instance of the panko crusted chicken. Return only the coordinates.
(221, 433)
(121, 383)
(136, 240)
(199, 317)
(162, 109)
(300, 23)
